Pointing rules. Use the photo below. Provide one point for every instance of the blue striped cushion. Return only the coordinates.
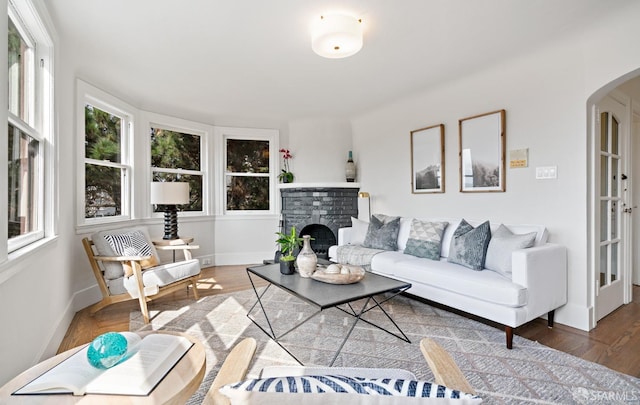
(349, 385)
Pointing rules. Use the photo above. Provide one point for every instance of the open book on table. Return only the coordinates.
(156, 355)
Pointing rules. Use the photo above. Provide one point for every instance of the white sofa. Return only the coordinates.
(537, 286)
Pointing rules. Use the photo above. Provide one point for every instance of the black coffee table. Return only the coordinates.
(324, 296)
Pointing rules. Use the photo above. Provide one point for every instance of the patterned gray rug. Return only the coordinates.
(530, 373)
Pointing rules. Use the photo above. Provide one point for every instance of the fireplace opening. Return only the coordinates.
(322, 240)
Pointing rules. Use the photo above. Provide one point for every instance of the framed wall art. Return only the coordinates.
(427, 160)
(482, 152)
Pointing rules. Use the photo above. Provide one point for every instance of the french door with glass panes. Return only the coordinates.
(610, 277)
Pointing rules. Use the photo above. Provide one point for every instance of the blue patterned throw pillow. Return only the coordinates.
(382, 234)
(469, 245)
(425, 239)
(133, 243)
(347, 388)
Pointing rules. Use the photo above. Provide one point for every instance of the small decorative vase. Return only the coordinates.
(287, 267)
(350, 169)
(307, 259)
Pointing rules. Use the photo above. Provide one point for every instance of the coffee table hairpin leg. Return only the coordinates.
(357, 315)
(378, 304)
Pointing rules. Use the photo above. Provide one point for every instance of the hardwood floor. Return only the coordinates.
(613, 343)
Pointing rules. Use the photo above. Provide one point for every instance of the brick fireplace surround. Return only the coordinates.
(318, 210)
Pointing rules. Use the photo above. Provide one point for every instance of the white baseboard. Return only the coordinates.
(228, 259)
(576, 316)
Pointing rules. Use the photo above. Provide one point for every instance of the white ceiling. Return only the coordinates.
(207, 59)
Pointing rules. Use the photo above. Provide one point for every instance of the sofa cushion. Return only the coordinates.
(382, 235)
(469, 245)
(403, 232)
(487, 286)
(358, 231)
(385, 263)
(503, 243)
(425, 239)
(328, 389)
(164, 274)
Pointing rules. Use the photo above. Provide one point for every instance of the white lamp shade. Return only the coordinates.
(169, 193)
(336, 36)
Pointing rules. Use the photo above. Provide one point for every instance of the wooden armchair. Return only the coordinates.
(126, 266)
(236, 364)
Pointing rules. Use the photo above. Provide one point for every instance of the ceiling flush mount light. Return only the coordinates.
(336, 36)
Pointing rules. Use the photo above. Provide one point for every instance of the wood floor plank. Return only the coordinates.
(613, 343)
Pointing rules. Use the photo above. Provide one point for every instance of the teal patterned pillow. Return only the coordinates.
(425, 239)
(382, 235)
(469, 245)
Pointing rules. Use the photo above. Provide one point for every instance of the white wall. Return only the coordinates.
(545, 96)
(320, 149)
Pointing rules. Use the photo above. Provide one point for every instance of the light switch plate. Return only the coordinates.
(546, 172)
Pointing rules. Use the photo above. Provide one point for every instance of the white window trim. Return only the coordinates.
(87, 94)
(221, 134)
(153, 120)
(25, 14)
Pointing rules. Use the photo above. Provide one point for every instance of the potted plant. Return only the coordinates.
(288, 244)
(286, 176)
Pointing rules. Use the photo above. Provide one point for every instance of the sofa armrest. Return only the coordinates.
(344, 236)
(543, 271)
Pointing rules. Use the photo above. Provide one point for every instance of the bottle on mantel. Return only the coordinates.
(350, 170)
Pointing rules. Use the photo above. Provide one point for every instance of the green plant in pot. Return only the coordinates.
(288, 245)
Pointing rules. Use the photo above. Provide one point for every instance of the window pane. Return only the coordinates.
(19, 80)
(615, 163)
(102, 135)
(23, 187)
(247, 193)
(247, 156)
(103, 193)
(604, 220)
(174, 150)
(614, 135)
(604, 176)
(604, 131)
(614, 261)
(604, 261)
(195, 189)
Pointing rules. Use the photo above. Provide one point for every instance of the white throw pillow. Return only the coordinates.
(502, 244)
(358, 231)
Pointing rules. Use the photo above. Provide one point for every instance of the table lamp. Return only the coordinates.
(170, 194)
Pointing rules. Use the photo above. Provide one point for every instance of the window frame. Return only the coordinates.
(153, 120)
(89, 95)
(38, 125)
(254, 134)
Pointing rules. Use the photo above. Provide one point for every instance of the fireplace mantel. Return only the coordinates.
(319, 185)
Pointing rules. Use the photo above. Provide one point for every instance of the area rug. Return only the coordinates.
(529, 373)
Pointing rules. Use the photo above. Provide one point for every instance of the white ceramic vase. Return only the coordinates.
(307, 260)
